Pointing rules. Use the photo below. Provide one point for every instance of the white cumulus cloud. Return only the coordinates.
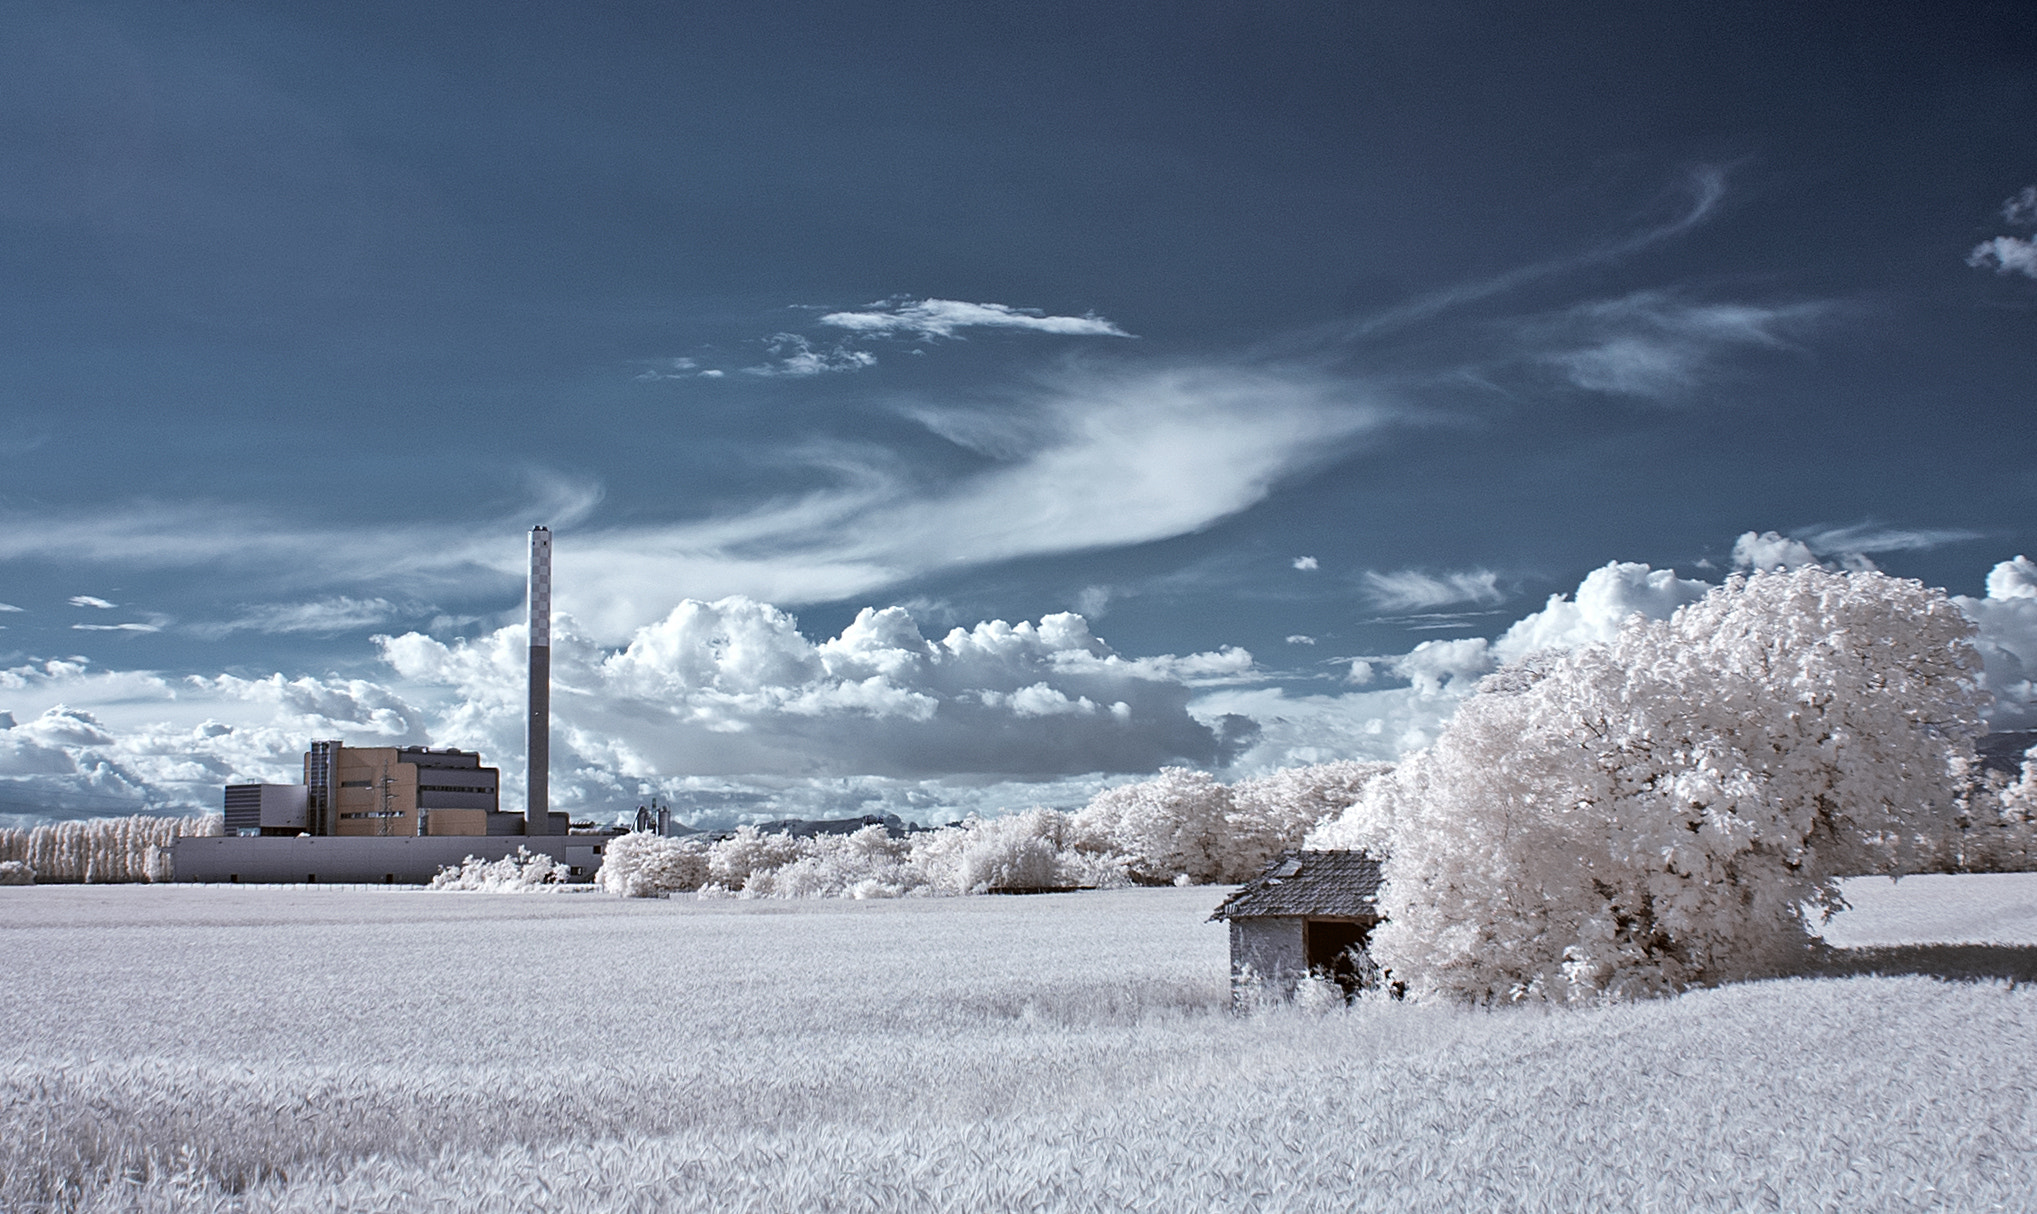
(1771, 550)
(2007, 619)
(92, 600)
(732, 688)
(2011, 254)
(725, 706)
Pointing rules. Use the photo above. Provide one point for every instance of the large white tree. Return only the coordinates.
(1675, 806)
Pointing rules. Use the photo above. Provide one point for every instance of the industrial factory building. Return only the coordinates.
(389, 814)
(379, 792)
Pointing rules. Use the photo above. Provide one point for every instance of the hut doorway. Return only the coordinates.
(1334, 947)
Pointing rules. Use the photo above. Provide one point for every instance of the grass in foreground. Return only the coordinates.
(274, 1050)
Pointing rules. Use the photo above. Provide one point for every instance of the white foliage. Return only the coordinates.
(1030, 850)
(644, 865)
(14, 872)
(104, 850)
(1177, 823)
(868, 863)
(1998, 833)
(512, 874)
(1182, 825)
(731, 861)
(1668, 808)
(1277, 811)
(1037, 849)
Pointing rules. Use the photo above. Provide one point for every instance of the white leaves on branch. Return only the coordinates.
(1675, 806)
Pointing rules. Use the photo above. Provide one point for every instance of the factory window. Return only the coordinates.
(380, 813)
(357, 784)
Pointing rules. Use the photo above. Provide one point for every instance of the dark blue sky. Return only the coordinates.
(308, 311)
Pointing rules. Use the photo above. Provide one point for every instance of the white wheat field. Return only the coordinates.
(180, 1048)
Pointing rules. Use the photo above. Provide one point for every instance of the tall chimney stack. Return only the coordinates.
(538, 744)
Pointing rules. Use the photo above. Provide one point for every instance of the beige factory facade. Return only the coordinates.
(381, 790)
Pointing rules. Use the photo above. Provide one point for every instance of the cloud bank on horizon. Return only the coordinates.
(729, 710)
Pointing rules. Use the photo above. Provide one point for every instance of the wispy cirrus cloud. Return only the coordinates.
(1702, 190)
(1412, 589)
(1870, 536)
(1659, 345)
(928, 319)
(92, 600)
(287, 554)
(1102, 458)
(1098, 457)
(327, 617)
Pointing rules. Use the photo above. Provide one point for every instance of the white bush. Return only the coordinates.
(14, 872)
(866, 864)
(731, 861)
(1031, 850)
(644, 865)
(514, 874)
(1676, 806)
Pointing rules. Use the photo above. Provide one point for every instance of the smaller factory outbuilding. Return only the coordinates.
(1310, 912)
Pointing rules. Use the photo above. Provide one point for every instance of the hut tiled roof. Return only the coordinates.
(1308, 884)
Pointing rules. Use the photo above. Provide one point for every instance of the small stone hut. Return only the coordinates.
(1309, 912)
